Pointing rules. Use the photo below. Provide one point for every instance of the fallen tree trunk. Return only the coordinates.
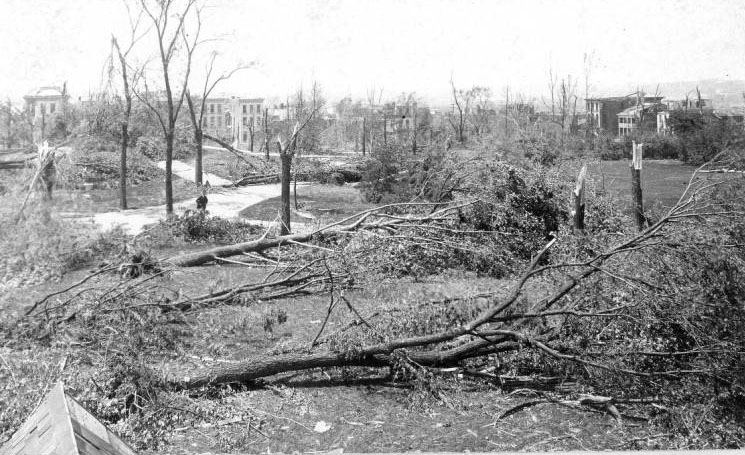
(229, 148)
(376, 356)
(254, 246)
(253, 179)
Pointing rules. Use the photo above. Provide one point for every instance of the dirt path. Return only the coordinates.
(186, 172)
(223, 202)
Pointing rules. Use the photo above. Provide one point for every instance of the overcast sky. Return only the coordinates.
(404, 45)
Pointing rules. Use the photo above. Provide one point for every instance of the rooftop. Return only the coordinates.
(45, 92)
(633, 109)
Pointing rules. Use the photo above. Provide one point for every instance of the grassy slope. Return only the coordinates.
(662, 180)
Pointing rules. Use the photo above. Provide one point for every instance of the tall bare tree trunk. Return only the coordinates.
(266, 132)
(169, 171)
(286, 163)
(413, 142)
(385, 131)
(294, 187)
(123, 167)
(199, 139)
(196, 123)
(364, 130)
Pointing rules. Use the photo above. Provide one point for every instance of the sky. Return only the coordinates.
(350, 46)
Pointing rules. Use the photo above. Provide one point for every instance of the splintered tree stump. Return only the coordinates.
(578, 201)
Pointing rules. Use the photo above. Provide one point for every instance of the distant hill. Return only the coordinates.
(723, 93)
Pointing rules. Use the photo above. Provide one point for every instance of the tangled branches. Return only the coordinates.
(525, 318)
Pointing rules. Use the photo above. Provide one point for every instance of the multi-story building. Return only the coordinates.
(400, 117)
(43, 105)
(232, 118)
(602, 113)
(45, 101)
(639, 118)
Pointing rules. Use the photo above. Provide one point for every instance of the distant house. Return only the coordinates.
(639, 118)
(46, 100)
(231, 118)
(400, 116)
(44, 105)
(602, 113)
(686, 113)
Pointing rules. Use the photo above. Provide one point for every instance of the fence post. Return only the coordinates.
(636, 184)
(578, 201)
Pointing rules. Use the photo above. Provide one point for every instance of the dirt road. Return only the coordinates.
(223, 202)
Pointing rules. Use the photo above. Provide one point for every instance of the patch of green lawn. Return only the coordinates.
(326, 202)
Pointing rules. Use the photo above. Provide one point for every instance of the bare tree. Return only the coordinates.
(480, 115)
(122, 55)
(287, 150)
(197, 115)
(8, 111)
(168, 19)
(461, 108)
(563, 101)
(266, 132)
(588, 60)
(374, 96)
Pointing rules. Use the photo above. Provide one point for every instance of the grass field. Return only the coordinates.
(663, 181)
(324, 202)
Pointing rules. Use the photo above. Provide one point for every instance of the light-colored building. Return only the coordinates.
(231, 118)
(46, 100)
(640, 118)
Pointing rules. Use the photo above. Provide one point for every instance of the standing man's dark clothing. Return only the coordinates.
(202, 202)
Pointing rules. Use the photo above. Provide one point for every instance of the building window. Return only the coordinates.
(212, 108)
(219, 120)
(52, 108)
(245, 119)
(245, 136)
(244, 108)
(219, 108)
(43, 108)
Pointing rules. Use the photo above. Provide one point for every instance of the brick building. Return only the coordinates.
(231, 118)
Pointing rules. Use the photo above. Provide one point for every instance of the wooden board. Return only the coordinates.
(62, 426)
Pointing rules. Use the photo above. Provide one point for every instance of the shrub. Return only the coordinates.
(197, 226)
(96, 160)
(515, 211)
(394, 175)
(43, 247)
